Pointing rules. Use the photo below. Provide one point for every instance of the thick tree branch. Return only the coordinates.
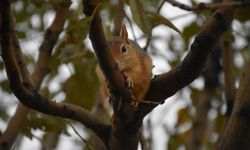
(49, 41)
(33, 99)
(167, 84)
(120, 14)
(237, 133)
(14, 126)
(163, 86)
(125, 131)
(228, 59)
(229, 79)
(115, 79)
(25, 75)
(207, 6)
(199, 130)
(9, 135)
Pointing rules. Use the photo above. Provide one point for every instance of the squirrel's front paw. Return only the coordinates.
(134, 104)
(108, 88)
(129, 81)
(130, 85)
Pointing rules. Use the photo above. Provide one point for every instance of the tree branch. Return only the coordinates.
(114, 77)
(78, 134)
(199, 130)
(144, 144)
(207, 6)
(15, 124)
(167, 84)
(116, 80)
(230, 90)
(49, 41)
(163, 86)
(229, 79)
(33, 99)
(125, 131)
(120, 14)
(237, 132)
(9, 135)
(149, 38)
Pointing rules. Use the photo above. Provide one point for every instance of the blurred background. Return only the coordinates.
(194, 116)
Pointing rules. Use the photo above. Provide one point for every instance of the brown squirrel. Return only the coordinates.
(133, 62)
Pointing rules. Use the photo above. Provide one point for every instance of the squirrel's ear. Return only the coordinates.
(124, 34)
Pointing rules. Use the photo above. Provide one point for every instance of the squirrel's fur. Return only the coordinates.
(133, 62)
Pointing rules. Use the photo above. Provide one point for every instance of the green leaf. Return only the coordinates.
(191, 30)
(245, 53)
(152, 5)
(3, 113)
(78, 29)
(174, 142)
(183, 117)
(81, 87)
(21, 35)
(243, 14)
(195, 93)
(139, 15)
(162, 20)
(47, 123)
(5, 86)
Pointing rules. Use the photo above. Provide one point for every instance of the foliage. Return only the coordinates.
(81, 87)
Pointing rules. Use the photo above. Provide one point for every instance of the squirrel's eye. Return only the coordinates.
(123, 48)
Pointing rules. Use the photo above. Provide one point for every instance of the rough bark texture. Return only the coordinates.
(125, 133)
(206, 6)
(51, 35)
(27, 93)
(166, 85)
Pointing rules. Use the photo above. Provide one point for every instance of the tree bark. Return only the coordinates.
(125, 133)
(27, 93)
(167, 84)
(237, 133)
(199, 130)
(16, 122)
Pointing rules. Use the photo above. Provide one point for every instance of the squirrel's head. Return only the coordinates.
(123, 49)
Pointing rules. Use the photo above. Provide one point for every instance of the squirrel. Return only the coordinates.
(133, 62)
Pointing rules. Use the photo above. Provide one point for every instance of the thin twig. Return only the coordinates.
(166, 85)
(180, 16)
(207, 6)
(149, 38)
(131, 26)
(78, 134)
(144, 145)
(148, 102)
(160, 6)
(180, 5)
(33, 99)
